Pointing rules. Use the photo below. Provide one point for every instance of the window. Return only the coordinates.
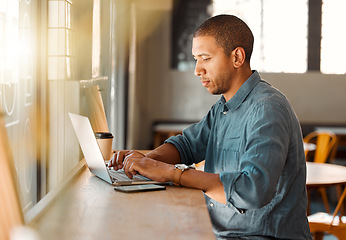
(333, 49)
(279, 28)
(18, 91)
(46, 60)
(36, 90)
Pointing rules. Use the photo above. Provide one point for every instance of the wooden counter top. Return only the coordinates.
(90, 209)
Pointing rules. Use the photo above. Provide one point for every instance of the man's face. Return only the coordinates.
(212, 65)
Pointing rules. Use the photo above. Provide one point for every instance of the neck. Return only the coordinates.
(240, 76)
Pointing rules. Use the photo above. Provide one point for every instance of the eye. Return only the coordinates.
(206, 59)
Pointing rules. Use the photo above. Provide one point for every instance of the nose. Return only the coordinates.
(199, 69)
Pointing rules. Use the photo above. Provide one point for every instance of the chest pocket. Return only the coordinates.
(230, 153)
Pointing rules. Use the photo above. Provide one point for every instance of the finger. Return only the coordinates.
(126, 167)
(127, 157)
(134, 154)
(132, 169)
(111, 161)
(119, 160)
(125, 162)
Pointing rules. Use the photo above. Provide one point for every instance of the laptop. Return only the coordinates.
(94, 159)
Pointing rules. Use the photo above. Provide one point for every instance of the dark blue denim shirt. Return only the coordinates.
(254, 143)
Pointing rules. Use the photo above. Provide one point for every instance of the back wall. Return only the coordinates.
(169, 94)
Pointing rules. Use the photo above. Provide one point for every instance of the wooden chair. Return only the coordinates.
(321, 223)
(10, 209)
(325, 142)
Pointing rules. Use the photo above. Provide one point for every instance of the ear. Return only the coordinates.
(238, 57)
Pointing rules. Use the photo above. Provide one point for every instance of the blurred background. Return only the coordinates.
(139, 53)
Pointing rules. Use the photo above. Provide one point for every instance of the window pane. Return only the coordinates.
(18, 96)
(333, 40)
(280, 39)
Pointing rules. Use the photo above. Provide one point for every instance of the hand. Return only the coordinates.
(136, 162)
(118, 158)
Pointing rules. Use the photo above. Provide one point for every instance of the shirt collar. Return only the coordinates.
(242, 93)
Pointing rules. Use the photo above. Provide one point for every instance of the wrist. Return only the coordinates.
(179, 169)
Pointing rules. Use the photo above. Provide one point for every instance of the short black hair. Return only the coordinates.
(230, 32)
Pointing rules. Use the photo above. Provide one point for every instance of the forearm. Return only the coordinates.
(167, 153)
(209, 183)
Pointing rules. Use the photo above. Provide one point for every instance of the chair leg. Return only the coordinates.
(308, 208)
(339, 192)
(324, 198)
(318, 235)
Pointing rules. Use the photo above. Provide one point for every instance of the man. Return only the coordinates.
(254, 178)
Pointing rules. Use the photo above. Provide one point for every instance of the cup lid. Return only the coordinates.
(101, 135)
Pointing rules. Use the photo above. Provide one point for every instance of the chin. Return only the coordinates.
(215, 92)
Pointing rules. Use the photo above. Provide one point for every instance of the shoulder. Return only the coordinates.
(266, 94)
(269, 104)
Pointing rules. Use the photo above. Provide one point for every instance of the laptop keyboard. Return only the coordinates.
(121, 176)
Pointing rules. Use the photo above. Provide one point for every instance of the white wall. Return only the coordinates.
(316, 97)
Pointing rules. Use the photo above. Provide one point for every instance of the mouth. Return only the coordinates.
(205, 83)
